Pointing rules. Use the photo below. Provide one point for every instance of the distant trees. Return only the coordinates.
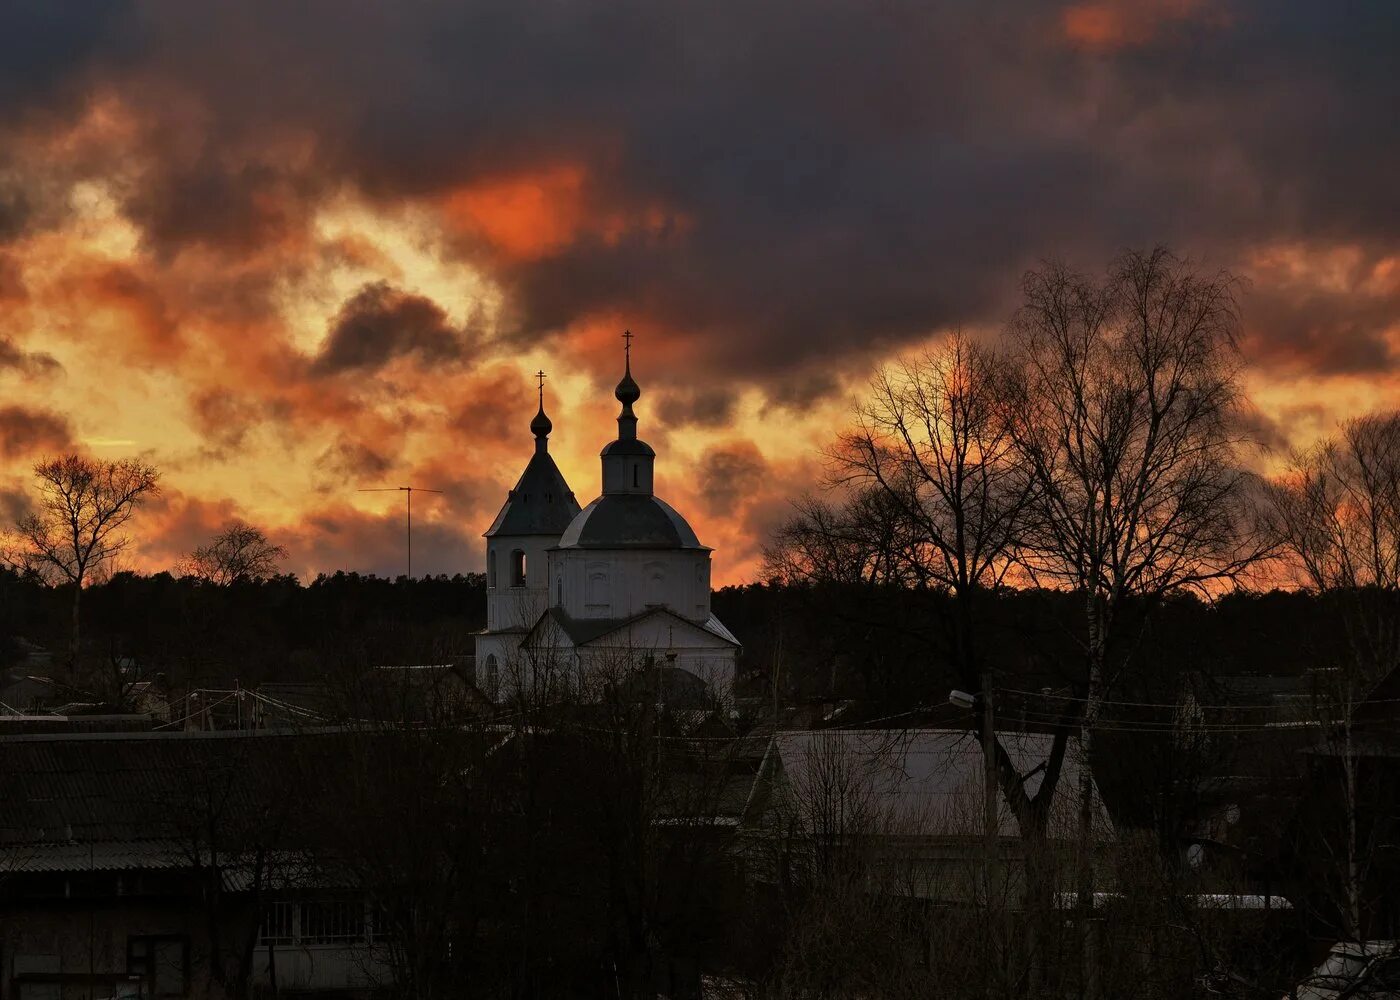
(83, 506)
(239, 553)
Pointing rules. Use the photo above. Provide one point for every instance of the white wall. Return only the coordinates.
(613, 584)
(516, 607)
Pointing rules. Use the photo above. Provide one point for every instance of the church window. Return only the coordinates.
(491, 570)
(596, 594)
(559, 591)
(493, 678)
(634, 474)
(517, 568)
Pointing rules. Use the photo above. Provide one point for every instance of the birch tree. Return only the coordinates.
(1121, 407)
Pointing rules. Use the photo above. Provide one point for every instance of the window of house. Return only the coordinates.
(163, 960)
(381, 925)
(332, 921)
(517, 568)
(277, 925)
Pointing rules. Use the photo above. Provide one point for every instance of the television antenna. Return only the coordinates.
(408, 492)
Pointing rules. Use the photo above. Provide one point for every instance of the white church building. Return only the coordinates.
(616, 592)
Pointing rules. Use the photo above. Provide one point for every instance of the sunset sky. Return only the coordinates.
(289, 249)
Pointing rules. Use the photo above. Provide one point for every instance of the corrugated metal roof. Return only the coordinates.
(118, 796)
(929, 781)
(92, 856)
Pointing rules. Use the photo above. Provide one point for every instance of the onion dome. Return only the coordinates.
(541, 425)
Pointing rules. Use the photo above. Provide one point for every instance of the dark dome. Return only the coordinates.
(541, 425)
(628, 391)
(629, 521)
(628, 446)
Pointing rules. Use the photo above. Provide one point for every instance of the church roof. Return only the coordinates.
(629, 521)
(582, 631)
(540, 504)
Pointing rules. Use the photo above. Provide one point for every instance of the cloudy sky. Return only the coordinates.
(287, 250)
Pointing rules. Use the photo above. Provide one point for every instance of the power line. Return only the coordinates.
(1051, 696)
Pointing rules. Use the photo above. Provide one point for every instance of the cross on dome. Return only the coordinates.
(541, 425)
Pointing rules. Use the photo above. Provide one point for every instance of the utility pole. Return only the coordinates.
(408, 492)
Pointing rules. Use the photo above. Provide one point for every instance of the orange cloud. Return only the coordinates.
(535, 214)
(1111, 25)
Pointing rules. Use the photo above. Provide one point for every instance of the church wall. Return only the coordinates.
(618, 584)
(507, 605)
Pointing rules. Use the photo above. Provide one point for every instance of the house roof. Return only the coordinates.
(73, 797)
(928, 782)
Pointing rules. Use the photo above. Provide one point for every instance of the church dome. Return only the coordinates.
(629, 521)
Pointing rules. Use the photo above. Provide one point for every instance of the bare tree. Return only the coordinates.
(1336, 513)
(239, 553)
(934, 499)
(1121, 407)
(84, 505)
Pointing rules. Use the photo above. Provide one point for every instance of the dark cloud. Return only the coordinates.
(12, 288)
(340, 538)
(225, 418)
(14, 504)
(1334, 314)
(30, 363)
(14, 215)
(830, 177)
(380, 323)
(729, 476)
(222, 199)
(699, 407)
(352, 460)
(49, 51)
(25, 432)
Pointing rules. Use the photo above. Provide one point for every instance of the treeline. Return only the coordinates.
(881, 645)
(198, 633)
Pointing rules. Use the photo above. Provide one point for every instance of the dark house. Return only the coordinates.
(171, 864)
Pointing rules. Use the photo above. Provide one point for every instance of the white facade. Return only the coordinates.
(592, 583)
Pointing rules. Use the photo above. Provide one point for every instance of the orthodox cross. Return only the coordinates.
(627, 336)
(541, 376)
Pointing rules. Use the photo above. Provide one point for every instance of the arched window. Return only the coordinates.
(493, 676)
(517, 568)
(491, 570)
(559, 591)
(596, 592)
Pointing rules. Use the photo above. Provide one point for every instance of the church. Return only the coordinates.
(617, 592)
